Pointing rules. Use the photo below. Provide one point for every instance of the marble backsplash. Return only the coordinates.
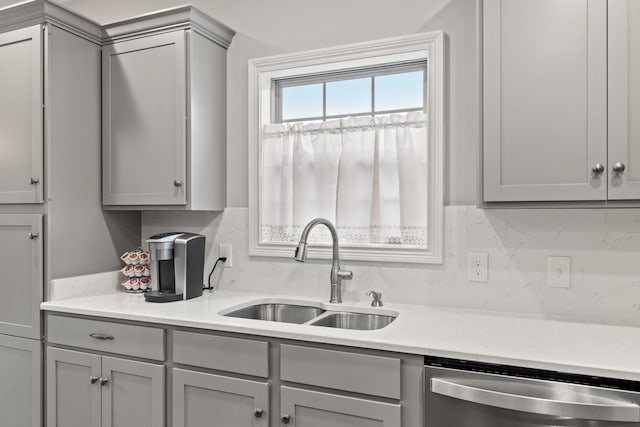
(604, 246)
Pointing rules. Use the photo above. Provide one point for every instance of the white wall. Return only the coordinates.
(603, 244)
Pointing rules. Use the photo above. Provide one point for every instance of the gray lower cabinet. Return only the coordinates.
(87, 390)
(73, 389)
(204, 400)
(306, 408)
(20, 382)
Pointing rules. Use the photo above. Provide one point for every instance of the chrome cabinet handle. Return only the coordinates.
(101, 336)
(33, 235)
(610, 411)
(258, 413)
(598, 169)
(177, 183)
(618, 168)
(286, 418)
(104, 381)
(93, 379)
(34, 181)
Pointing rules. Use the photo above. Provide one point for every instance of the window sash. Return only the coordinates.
(340, 75)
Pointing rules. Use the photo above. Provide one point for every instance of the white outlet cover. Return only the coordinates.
(559, 271)
(225, 250)
(478, 267)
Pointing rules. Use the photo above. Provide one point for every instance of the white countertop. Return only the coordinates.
(581, 348)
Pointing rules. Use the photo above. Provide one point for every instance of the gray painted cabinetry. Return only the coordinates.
(20, 381)
(561, 100)
(49, 201)
(164, 120)
(202, 399)
(222, 379)
(21, 127)
(87, 390)
(87, 386)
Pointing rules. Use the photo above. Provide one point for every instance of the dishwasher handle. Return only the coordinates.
(608, 410)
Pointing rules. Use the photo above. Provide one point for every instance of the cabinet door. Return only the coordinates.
(21, 101)
(304, 408)
(20, 274)
(204, 400)
(133, 394)
(20, 381)
(545, 100)
(624, 99)
(73, 389)
(144, 112)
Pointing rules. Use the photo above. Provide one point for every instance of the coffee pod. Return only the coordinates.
(135, 284)
(125, 283)
(143, 258)
(138, 270)
(134, 258)
(147, 271)
(128, 271)
(125, 258)
(144, 283)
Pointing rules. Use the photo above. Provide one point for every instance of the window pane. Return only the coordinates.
(349, 96)
(302, 101)
(399, 91)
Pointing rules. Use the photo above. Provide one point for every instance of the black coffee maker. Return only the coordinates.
(177, 266)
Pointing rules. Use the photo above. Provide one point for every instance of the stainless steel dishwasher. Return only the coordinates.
(461, 394)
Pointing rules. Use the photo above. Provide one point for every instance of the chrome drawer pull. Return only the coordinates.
(104, 381)
(609, 410)
(101, 336)
(93, 379)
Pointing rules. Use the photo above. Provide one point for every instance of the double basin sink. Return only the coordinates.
(311, 315)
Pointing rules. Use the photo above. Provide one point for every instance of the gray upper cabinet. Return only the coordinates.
(22, 276)
(545, 100)
(164, 119)
(144, 113)
(21, 126)
(624, 99)
(199, 398)
(561, 100)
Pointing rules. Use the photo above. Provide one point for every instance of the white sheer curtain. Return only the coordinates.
(368, 175)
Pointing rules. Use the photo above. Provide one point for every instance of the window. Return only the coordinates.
(397, 88)
(353, 134)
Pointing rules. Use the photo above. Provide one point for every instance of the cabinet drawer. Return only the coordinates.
(139, 341)
(238, 355)
(359, 373)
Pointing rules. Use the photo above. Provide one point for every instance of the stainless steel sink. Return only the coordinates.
(288, 313)
(361, 321)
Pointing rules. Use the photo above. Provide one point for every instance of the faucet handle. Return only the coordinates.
(377, 298)
(345, 274)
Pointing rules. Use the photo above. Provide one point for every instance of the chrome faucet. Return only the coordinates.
(337, 275)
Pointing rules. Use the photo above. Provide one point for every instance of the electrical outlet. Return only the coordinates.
(478, 266)
(559, 271)
(224, 251)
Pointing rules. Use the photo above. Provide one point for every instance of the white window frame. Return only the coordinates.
(262, 72)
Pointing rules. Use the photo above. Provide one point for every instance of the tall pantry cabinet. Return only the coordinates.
(51, 219)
